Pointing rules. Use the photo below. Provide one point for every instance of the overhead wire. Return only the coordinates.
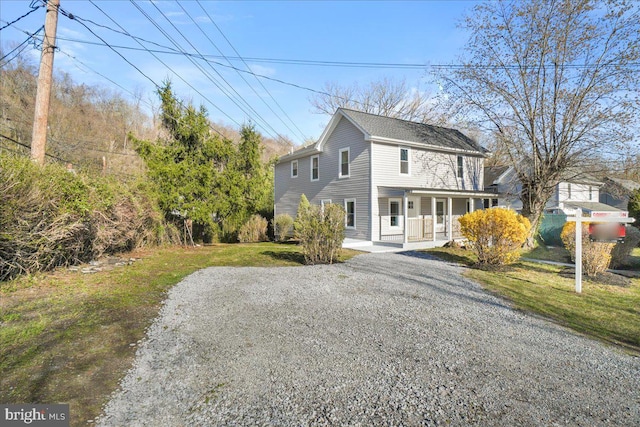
(73, 18)
(174, 52)
(114, 82)
(308, 62)
(180, 51)
(78, 19)
(265, 124)
(33, 9)
(248, 68)
(31, 36)
(169, 68)
(29, 147)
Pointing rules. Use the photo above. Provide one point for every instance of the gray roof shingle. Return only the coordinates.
(398, 129)
(492, 173)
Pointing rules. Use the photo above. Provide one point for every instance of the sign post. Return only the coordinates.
(578, 256)
(578, 219)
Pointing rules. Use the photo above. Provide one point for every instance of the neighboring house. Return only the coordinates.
(577, 192)
(496, 179)
(616, 192)
(400, 182)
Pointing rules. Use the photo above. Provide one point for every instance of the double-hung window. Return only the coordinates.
(315, 168)
(460, 173)
(350, 216)
(404, 161)
(294, 169)
(344, 171)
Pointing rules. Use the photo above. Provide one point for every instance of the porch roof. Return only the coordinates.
(592, 206)
(399, 191)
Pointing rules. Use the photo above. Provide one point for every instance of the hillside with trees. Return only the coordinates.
(89, 125)
(117, 177)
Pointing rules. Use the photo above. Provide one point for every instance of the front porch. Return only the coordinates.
(416, 218)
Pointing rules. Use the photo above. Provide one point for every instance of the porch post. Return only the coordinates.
(471, 207)
(405, 206)
(449, 218)
(433, 217)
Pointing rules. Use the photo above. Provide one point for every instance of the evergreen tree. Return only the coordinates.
(203, 177)
(187, 164)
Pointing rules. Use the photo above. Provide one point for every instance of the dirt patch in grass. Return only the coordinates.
(68, 337)
(605, 278)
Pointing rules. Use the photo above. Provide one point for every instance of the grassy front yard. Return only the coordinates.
(608, 313)
(68, 337)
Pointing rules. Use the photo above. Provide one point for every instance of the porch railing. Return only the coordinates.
(418, 229)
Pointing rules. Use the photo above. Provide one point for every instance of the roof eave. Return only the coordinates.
(303, 152)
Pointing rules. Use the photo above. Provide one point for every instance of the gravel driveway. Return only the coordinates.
(384, 339)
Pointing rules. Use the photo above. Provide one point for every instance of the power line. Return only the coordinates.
(117, 84)
(326, 63)
(33, 9)
(162, 62)
(204, 57)
(248, 68)
(31, 36)
(182, 53)
(78, 19)
(211, 78)
(73, 18)
(179, 76)
(29, 147)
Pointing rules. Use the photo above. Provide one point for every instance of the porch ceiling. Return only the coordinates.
(399, 191)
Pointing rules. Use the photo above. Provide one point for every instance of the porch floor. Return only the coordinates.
(385, 247)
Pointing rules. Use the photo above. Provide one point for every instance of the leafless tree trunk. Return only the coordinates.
(556, 80)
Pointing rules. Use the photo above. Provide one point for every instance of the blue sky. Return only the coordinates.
(414, 32)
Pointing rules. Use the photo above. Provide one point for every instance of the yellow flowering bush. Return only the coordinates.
(596, 256)
(496, 235)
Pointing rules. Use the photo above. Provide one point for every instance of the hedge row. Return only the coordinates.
(52, 217)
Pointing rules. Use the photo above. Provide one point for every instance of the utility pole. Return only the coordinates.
(45, 76)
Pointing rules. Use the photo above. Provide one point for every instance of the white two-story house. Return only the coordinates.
(578, 190)
(400, 183)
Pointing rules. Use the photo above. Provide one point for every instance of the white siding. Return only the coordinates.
(429, 169)
(579, 192)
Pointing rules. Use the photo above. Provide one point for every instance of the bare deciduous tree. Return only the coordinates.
(385, 97)
(557, 80)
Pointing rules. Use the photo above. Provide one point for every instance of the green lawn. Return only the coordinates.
(606, 312)
(65, 337)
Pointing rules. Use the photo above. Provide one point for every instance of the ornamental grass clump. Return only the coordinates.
(254, 230)
(596, 256)
(320, 231)
(496, 235)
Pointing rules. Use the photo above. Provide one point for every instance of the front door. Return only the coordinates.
(413, 207)
(441, 213)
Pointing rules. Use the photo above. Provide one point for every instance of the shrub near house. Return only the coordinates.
(496, 235)
(320, 231)
(596, 256)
